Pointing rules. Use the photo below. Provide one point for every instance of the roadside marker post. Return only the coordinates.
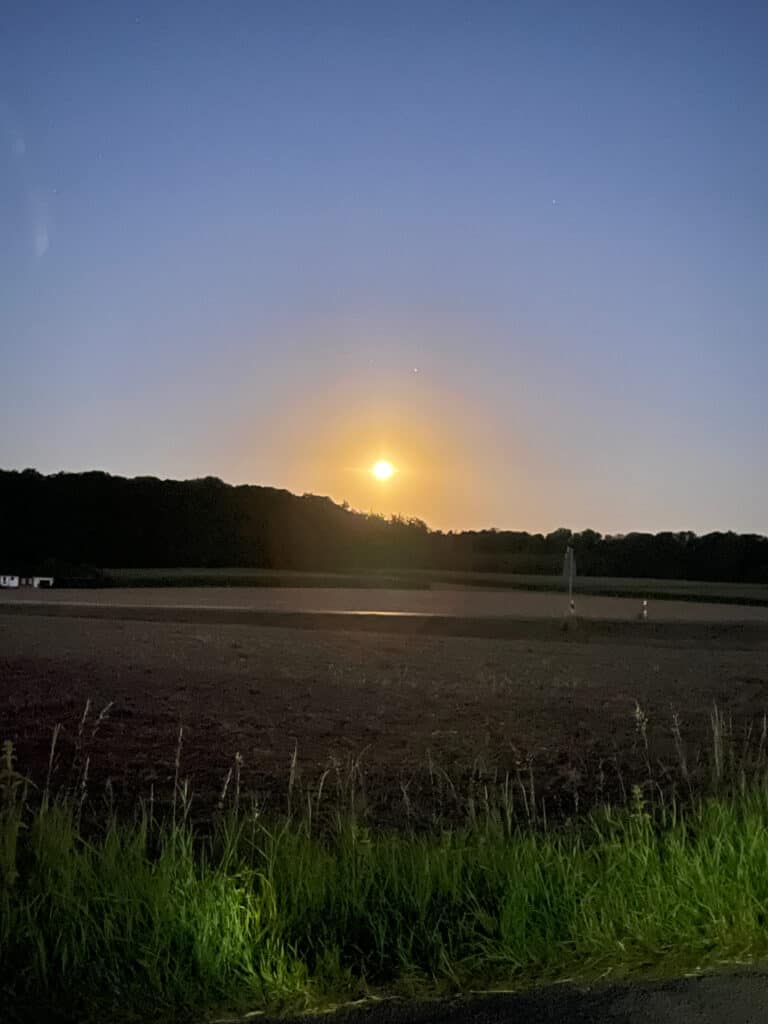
(569, 571)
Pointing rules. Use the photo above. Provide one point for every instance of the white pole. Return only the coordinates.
(569, 556)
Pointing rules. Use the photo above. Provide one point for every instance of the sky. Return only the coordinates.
(518, 249)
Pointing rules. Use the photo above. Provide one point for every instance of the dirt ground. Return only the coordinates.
(423, 715)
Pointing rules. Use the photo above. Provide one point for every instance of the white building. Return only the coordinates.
(26, 581)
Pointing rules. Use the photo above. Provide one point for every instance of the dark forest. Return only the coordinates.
(80, 523)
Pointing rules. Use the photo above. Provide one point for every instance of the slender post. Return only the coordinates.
(570, 566)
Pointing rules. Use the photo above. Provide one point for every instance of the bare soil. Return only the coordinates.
(422, 715)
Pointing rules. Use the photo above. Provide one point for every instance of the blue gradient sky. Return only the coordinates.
(230, 233)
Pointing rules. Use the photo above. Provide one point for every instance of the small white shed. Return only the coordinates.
(25, 581)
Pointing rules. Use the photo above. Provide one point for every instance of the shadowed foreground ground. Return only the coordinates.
(398, 702)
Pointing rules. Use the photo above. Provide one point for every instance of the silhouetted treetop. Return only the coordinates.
(98, 520)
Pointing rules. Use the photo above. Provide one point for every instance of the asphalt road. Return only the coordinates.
(681, 634)
(714, 999)
(515, 604)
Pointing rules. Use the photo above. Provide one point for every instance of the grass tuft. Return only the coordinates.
(157, 919)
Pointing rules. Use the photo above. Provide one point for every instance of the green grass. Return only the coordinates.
(238, 577)
(142, 919)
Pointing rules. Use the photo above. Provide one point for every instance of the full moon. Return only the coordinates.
(383, 470)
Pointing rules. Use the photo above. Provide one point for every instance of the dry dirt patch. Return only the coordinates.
(398, 703)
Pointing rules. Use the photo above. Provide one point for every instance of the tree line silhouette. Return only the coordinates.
(76, 524)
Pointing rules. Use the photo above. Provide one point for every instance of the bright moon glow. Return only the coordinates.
(383, 470)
